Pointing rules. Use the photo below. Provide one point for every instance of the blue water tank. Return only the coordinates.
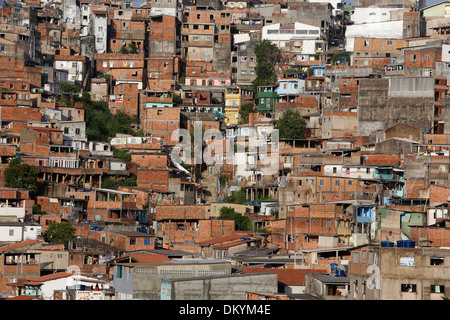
(3, 3)
(257, 203)
(340, 273)
(409, 244)
(17, 5)
(333, 266)
(221, 201)
(404, 244)
(389, 244)
(250, 203)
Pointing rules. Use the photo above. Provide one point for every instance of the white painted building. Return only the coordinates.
(62, 281)
(71, 11)
(282, 35)
(350, 171)
(76, 68)
(373, 22)
(446, 53)
(99, 28)
(19, 231)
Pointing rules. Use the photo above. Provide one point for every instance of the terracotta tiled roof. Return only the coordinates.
(18, 245)
(52, 276)
(150, 257)
(225, 239)
(24, 298)
(286, 276)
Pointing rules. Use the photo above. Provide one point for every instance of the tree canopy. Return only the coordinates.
(21, 175)
(101, 124)
(68, 92)
(60, 232)
(268, 56)
(245, 110)
(237, 197)
(291, 125)
(240, 222)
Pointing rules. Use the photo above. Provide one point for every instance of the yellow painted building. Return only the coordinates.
(232, 105)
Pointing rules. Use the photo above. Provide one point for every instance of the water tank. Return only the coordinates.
(340, 273)
(389, 244)
(257, 203)
(333, 266)
(409, 244)
(17, 5)
(406, 244)
(3, 3)
(250, 203)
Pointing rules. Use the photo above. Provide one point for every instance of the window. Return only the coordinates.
(355, 257)
(118, 271)
(132, 241)
(147, 242)
(328, 224)
(436, 261)
(11, 232)
(321, 182)
(427, 57)
(408, 288)
(389, 42)
(159, 112)
(435, 288)
(412, 57)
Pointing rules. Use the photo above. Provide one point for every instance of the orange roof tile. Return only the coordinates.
(52, 276)
(149, 257)
(18, 245)
(224, 239)
(24, 298)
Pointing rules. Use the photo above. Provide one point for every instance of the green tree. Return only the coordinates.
(177, 99)
(121, 154)
(21, 175)
(132, 48)
(68, 91)
(240, 222)
(101, 125)
(60, 232)
(238, 197)
(116, 182)
(291, 125)
(245, 110)
(123, 50)
(268, 56)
